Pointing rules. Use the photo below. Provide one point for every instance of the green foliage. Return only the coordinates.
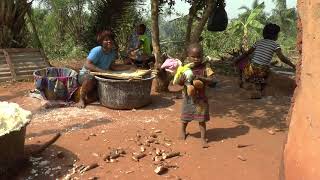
(172, 35)
(48, 31)
(251, 22)
(247, 28)
(12, 23)
(67, 29)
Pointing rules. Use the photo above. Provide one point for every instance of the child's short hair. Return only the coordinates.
(195, 46)
(143, 27)
(105, 34)
(270, 31)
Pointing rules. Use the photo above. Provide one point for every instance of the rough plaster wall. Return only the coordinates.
(302, 151)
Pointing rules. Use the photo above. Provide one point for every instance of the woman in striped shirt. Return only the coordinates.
(257, 70)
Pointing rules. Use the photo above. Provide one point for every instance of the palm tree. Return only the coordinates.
(242, 25)
(283, 16)
(261, 17)
(13, 32)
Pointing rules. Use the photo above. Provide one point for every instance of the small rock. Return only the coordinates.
(158, 158)
(113, 160)
(167, 144)
(271, 132)
(95, 154)
(128, 172)
(153, 136)
(158, 131)
(138, 135)
(158, 152)
(93, 178)
(93, 134)
(150, 141)
(241, 158)
(103, 131)
(142, 149)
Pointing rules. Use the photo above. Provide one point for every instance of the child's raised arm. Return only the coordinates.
(245, 54)
(284, 59)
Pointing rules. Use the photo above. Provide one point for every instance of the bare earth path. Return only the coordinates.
(87, 135)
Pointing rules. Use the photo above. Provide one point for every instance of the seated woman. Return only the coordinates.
(256, 71)
(140, 47)
(100, 59)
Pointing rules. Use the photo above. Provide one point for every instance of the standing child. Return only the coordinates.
(195, 105)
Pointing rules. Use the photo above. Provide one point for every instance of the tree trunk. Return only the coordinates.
(245, 43)
(199, 28)
(162, 80)
(192, 13)
(194, 38)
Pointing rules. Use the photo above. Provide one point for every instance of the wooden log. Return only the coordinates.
(8, 60)
(138, 156)
(88, 168)
(170, 155)
(160, 170)
(10, 50)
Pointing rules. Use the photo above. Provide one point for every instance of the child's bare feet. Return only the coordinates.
(204, 143)
(202, 126)
(183, 134)
(80, 104)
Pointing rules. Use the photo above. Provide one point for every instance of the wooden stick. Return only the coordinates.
(160, 170)
(88, 168)
(136, 157)
(170, 155)
(115, 76)
(121, 76)
(9, 62)
(46, 145)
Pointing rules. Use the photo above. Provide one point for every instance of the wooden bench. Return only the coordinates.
(20, 63)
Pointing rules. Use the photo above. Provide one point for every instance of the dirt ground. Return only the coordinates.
(88, 134)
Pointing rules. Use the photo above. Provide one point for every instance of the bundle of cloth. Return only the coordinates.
(183, 75)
